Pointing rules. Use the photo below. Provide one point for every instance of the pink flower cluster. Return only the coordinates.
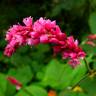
(91, 40)
(43, 31)
(15, 82)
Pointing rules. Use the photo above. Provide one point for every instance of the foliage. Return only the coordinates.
(35, 67)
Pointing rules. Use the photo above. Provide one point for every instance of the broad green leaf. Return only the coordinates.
(3, 83)
(57, 74)
(1, 94)
(78, 73)
(93, 4)
(39, 52)
(34, 90)
(89, 49)
(19, 60)
(89, 86)
(92, 22)
(70, 93)
(60, 76)
(10, 89)
(23, 74)
(40, 74)
(5, 87)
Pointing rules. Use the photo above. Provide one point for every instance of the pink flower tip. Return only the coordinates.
(44, 39)
(74, 62)
(15, 82)
(91, 43)
(92, 37)
(27, 21)
(9, 51)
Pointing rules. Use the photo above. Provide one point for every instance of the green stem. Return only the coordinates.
(87, 66)
(80, 80)
(89, 71)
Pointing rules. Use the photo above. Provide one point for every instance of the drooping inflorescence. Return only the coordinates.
(15, 82)
(43, 31)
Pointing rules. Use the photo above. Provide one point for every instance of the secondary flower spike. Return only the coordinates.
(15, 82)
(43, 31)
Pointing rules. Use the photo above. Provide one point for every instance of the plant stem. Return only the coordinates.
(80, 80)
(88, 72)
(87, 66)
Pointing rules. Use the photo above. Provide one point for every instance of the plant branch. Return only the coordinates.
(80, 80)
(87, 66)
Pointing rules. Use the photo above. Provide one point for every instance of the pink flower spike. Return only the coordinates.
(91, 43)
(81, 55)
(34, 35)
(56, 49)
(15, 82)
(65, 55)
(73, 55)
(74, 62)
(92, 37)
(44, 31)
(76, 42)
(41, 20)
(27, 21)
(61, 36)
(9, 50)
(32, 42)
(54, 41)
(44, 39)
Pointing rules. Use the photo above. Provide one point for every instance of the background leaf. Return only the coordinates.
(92, 22)
(23, 74)
(3, 83)
(34, 90)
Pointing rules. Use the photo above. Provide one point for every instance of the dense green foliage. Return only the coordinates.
(35, 67)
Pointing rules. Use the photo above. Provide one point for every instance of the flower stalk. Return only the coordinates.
(87, 66)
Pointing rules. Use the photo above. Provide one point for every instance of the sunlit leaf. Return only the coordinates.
(34, 90)
(60, 76)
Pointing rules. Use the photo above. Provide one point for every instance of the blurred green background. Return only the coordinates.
(32, 66)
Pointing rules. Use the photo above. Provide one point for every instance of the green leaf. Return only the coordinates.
(34, 90)
(10, 89)
(57, 74)
(3, 83)
(71, 93)
(93, 3)
(89, 49)
(89, 86)
(1, 94)
(23, 74)
(60, 76)
(78, 73)
(4, 87)
(92, 22)
(19, 60)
